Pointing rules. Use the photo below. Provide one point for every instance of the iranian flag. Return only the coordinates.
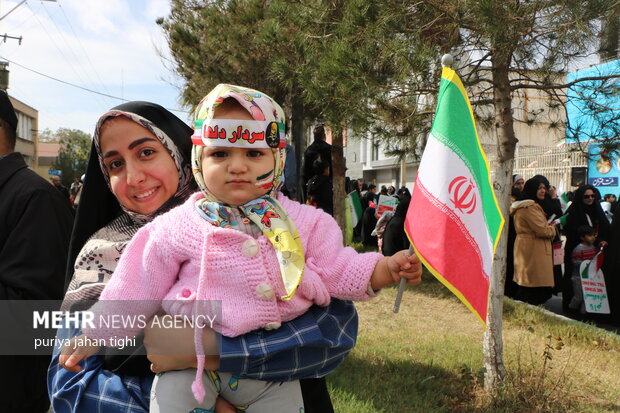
(454, 221)
(355, 207)
(562, 195)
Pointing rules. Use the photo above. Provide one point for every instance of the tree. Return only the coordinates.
(308, 56)
(506, 46)
(73, 156)
(236, 41)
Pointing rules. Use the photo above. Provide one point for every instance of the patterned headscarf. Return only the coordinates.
(266, 131)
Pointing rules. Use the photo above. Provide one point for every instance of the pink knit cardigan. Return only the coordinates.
(166, 257)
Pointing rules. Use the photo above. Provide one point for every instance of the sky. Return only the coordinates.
(113, 47)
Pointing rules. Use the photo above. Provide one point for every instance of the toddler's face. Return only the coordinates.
(589, 239)
(237, 175)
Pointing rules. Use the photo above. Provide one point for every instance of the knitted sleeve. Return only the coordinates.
(345, 272)
(145, 273)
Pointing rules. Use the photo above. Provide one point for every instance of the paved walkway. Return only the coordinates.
(554, 305)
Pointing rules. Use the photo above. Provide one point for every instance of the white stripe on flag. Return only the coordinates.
(437, 175)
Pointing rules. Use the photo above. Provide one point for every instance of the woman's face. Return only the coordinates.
(142, 174)
(541, 191)
(519, 184)
(588, 197)
(552, 192)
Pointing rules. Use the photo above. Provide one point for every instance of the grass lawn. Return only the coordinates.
(428, 358)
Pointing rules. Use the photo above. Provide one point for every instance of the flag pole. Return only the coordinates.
(401, 286)
(446, 61)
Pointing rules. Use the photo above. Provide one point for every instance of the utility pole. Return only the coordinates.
(4, 72)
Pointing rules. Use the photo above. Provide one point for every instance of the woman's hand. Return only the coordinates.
(77, 349)
(173, 348)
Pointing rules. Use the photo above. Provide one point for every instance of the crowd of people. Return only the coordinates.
(549, 239)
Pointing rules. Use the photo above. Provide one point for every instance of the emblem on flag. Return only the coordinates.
(462, 194)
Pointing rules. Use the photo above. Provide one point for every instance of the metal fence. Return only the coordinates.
(554, 163)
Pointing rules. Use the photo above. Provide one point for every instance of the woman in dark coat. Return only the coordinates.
(585, 210)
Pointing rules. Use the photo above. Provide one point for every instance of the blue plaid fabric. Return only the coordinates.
(312, 345)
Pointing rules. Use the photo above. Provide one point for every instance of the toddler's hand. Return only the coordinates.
(76, 350)
(402, 265)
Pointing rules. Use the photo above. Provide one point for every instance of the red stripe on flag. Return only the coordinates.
(442, 240)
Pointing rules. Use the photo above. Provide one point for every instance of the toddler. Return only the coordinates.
(266, 258)
(582, 252)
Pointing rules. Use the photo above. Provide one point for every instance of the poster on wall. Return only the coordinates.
(603, 170)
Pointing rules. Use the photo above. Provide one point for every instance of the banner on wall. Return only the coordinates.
(603, 170)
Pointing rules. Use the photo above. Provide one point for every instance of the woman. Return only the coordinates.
(585, 210)
(533, 259)
(553, 209)
(510, 287)
(394, 236)
(138, 169)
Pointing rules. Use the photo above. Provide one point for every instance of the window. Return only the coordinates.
(375, 151)
(24, 126)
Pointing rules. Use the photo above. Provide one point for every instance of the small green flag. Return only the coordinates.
(355, 206)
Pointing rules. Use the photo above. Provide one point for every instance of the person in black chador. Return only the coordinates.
(510, 286)
(553, 208)
(368, 221)
(394, 236)
(319, 149)
(319, 188)
(585, 210)
(611, 268)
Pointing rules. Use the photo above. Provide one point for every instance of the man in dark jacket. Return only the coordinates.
(319, 149)
(58, 185)
(35, 225)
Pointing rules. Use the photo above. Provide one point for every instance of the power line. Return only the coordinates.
(78, 86)
(101, 85)
(82, 46)
(60, 50)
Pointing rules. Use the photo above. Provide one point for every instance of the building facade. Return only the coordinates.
(538, 122)
(27, 127)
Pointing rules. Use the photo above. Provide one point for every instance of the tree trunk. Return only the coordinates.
(493, 347)
(403, 165)
(339, 168)
(297, 134)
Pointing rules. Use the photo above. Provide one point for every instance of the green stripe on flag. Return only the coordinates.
(563, 219)
(355, 207)
(454, 127)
